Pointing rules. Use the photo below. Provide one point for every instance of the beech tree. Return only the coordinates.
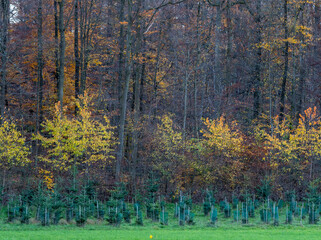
(81, 142)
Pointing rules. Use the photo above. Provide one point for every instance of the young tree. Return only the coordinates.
(80, 142)
(13, 149)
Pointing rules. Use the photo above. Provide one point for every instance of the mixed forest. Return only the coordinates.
(198, 96)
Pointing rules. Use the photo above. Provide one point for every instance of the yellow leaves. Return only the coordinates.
(168, 146)
(13, 150)
(223, 137)
(124, 23)
(77, 141)
(290, 146)
(305, 31)
(291, 40)
(265, 45)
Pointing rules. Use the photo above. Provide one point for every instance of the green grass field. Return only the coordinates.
(102, 233)
(225, 229)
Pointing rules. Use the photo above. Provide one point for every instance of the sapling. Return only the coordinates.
(288, 216)
(313, 215)
(114, 215)
(82, 203)
(138, 214)
(265, 214)
(12, 210)
(276, 216)
(181, 212)
(126, 213)
(222, 205)
(236, 214)
(280, 203)
(227, 210)
(152, 207)
(206, 207)
(57, 206)
(213, 216)
(235, 202)
(245, 214)
(163, 214)
(250, 207)
(100, 211)
(25, 214)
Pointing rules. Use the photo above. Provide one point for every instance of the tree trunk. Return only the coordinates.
(62, 47)
(302, 76)
(76, 48)
(39, 114)
(4, 31)
(228, 74)
(123, 102)
(56, 37)
(155, 74)
(286, 61)
(197, 75)
(40, 66)
(121, 42)
(258, 63)
(186, 93)
(138, 76)
(217, 66)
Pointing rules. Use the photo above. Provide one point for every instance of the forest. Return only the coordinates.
(196, 95)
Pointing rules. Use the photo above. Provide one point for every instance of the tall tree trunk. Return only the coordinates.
(56, 37)
(121, 42)
(39, 117)
(4, 31)
(86, 28)
(197, 72)
(40, 66)
(317, 35)
(155, 83)
(258, 62)
(62, 47)
(286, 61)
(138, 76)
(123, 102)
(135, 142)
(228, 74)
(76, 48)
(302, 76)
(217, 81)
(186, 93)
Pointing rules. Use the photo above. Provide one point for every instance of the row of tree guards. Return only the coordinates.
(79, 206)
(269, 211)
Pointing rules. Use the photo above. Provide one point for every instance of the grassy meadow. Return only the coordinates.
(226, 228)
(169, 233)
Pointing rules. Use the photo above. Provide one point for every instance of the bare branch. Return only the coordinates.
(156, 9)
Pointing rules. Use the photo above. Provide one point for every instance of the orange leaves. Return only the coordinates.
(310, 116)
(48, 178)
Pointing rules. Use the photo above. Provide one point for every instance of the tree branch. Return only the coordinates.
(156, 9)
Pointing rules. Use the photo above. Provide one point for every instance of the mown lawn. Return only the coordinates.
(171, 233)
(225, 229)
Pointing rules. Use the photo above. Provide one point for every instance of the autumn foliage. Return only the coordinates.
(204, 94)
